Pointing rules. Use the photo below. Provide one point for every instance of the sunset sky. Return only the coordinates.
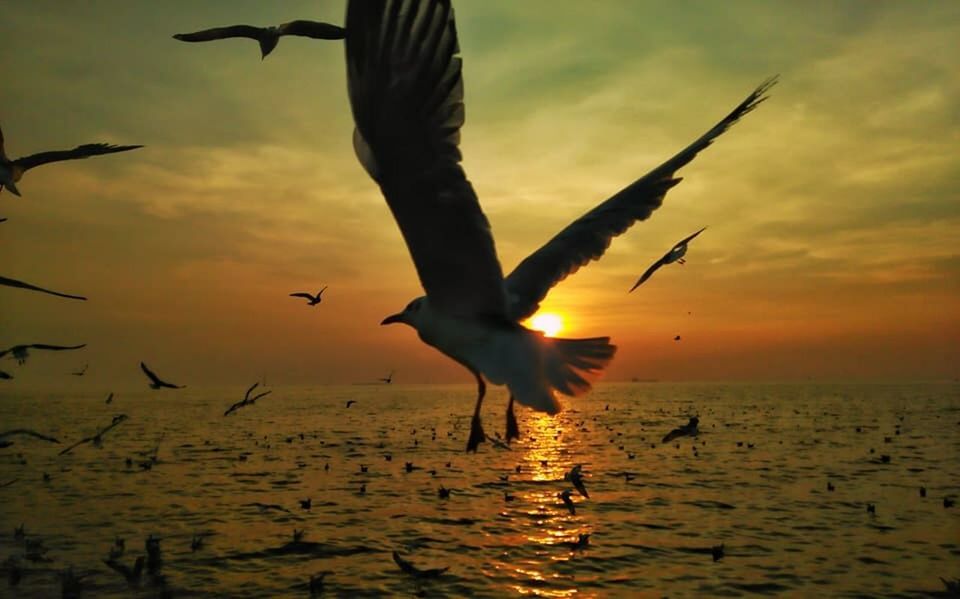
(833, 247)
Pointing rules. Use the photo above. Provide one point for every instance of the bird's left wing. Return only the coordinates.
(220, 33)
(22, 285)
(406, 93)
(588, 237)
(56, 347)
(84, 151)
(314, 29)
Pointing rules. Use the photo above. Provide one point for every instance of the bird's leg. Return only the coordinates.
(682, 261)
(513, 432)
(476, 429)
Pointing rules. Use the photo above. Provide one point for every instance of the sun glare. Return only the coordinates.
(550, 324)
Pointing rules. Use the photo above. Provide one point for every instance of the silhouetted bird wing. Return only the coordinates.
(5, 375)
(250, 390)
(319, 293)
(314, 29)
(415, 571)
(234, 407)
(304, 295)
(219, 33)
(406, 93)
(259, 395)
(29, 433)
(119, 418)
(588, 237)
(84, 151)
(687, 240)
(156, 380)
(646, 275)
(23, 285)
(55, 347)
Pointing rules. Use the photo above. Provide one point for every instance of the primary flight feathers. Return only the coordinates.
(22, 285)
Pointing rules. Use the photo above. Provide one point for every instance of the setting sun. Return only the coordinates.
(550, 324)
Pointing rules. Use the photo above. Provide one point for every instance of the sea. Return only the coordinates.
(780, 477)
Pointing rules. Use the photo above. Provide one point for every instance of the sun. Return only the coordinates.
(550, 324)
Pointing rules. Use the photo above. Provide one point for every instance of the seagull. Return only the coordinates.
(109, 399)
(131, 574)
(97, 438)
(387, 379)
(12, 170)
(576, 478)
(22, 285)
(247, 400)
(20, 352)
(350, 402)
(81, 372)
(267, 37)
(313, 300)
(415, 571)
(687, 430)
(155, 382)
(675, 254)
(406, 95)
(23, 431)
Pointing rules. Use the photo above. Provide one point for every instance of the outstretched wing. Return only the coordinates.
(219, 33)
(29, 433)
(84, 151)
(304, 295)
(406, 93)
(55, 347)
(314, 29)
(646, 275)
(250, 390)
(150, 374)
(588, 237)
(688, 239)
(23, 285)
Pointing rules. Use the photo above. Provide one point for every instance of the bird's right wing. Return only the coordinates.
(304, 295)
(646, 275)
(28, 432)
(250, 390)
(150, 374)
(56, 347)
(406, 93)
(219, 33)
(314, 29)
(84, 151)
(23, 285)
(588, 237)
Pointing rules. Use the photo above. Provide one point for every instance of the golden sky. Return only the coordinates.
(833, 247)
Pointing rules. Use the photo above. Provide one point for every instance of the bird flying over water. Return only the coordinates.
(406, 95)
(155, 382)
(387, 379)
(415, 571)
(12, 170)
(22, 285)
(312, 300)
(247, 400)
(97, 438)
(576, 478)
(687, 430)
(24, 431)
(267, 37)
(20, 352)
(675, 254)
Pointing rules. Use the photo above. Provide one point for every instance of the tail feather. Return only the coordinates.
(571, 363)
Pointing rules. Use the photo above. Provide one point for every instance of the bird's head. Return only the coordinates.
(411, 315)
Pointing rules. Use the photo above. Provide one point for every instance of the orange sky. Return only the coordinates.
(832, 249)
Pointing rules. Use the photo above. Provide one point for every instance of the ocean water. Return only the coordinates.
(757, 483)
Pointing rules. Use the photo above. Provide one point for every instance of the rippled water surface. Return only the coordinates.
(757, 483)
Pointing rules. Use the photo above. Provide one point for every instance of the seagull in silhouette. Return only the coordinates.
(22, 285)
(350, 402)
(97, 438)
(81, 372)
(109, 399)
(247, 400)
(12, 170)
(312, 300)
(687, 430)
(25, 432)
(267, 37)
(131, 574)
(406, 95)
(576, 478)
(155, 382)
(675, 254)
(387, 379)
(21, 352)
(415, 571)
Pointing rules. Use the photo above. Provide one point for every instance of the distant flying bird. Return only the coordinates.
(132, 575)
(406, 95)
(97, 438)
(687, 430)
(267, 37)
(21, 353)
(567, 501)
(350, 402)
(415, 571)
(676, 338)
(109, 399)
(675, 254)
(387, 379)
(247, 400)
(155, 382)
(576, 478)
(12, 170)
(313, 299)
(81, 372)
(22, 285)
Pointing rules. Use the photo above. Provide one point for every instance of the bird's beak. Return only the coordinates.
(392, 319)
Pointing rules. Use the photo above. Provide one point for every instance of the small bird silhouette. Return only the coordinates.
(675, 254)
(155, 382)
(567, 501)
(313, 300)
(267, 37)
(21, 352)
(576, 478)
(416, 572)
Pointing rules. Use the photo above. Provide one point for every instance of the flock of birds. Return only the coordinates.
(406, 94)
